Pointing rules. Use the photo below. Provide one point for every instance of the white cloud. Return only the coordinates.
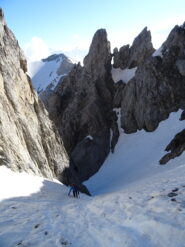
(36, 49)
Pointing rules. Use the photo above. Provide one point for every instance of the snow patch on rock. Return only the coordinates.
(123, 74)
(158, 52)
(89, 137)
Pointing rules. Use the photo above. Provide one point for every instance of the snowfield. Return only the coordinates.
(135, 203)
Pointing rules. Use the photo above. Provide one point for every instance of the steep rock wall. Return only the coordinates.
(28, 139)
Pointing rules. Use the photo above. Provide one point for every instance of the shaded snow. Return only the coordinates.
(158, 52)
(89, 137)
(131, 206)
(123, 74)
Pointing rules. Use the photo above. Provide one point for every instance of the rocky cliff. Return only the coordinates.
(130, 57)
(28, 140)
(81, 107)
(158, 87)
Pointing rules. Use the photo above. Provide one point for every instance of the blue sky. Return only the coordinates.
(69, 24)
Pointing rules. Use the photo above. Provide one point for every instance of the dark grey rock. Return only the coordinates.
(176, 148)
(81, 106)
(121, 58)
(141, 49)
(88, 153)
(182, 117)
(119, 87)
(98, 61)
(115, 130)
(157, 88)
(130, 57)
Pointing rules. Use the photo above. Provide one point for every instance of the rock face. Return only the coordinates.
(158, 87)
(119, 87)
(130, 57)
(81, 107)
(175, 148)
(28, 140)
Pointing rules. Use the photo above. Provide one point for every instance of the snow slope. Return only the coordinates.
(136, 202)
(137, 156)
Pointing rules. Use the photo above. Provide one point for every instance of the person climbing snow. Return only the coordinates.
(75, 190)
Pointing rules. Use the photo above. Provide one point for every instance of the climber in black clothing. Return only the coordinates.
(75, 190)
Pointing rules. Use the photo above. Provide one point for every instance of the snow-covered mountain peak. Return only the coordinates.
(49, 71)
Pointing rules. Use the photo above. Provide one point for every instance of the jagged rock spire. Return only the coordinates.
(130, 57)
(83, 103)
(98, 59)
